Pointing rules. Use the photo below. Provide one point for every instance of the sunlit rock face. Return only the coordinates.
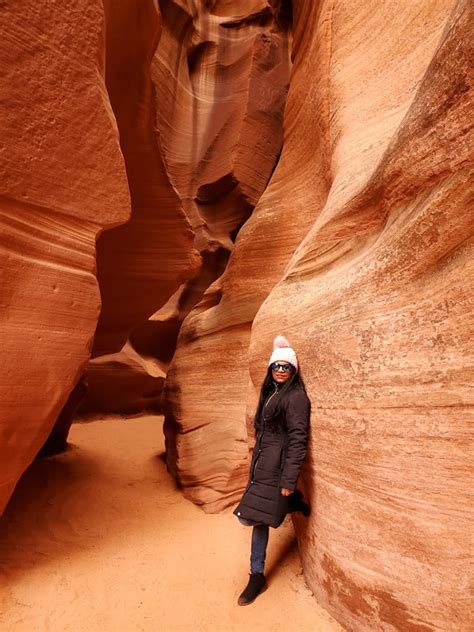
(201, 132)
(359, 251)
(63, 181)
(221, 71)
(226, 70)
(356, 247)
(142, 263)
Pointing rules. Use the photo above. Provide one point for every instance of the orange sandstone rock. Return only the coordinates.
(142, 263)
(360, 251)
(63, 182)
(221, 128)
(122, 382)
(375, 302)
(219, 84)
(221, 76)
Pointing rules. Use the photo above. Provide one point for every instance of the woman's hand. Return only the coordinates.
(285, 491)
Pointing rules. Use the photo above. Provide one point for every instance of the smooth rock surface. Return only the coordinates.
(213, 109)
(370, 284)
(359, 250)
(122, 382)
(142, 263)
(63, 181)
(226, 71)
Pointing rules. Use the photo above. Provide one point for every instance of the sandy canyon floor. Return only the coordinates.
(100, 539)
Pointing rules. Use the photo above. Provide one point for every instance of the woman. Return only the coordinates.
(281, 426)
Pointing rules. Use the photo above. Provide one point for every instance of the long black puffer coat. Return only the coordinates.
(277, 457)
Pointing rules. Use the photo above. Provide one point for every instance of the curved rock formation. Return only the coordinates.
(219, 83)
(368, 217)
(232, 73)
(359, 250)
(226, 69)
(142, 263)
(220, 118)
(375, 300)
(122, 382)
(63, 182)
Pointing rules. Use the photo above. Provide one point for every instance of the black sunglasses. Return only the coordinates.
(276, 366)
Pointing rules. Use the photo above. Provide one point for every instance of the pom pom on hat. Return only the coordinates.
(280, 342)
(283, 352)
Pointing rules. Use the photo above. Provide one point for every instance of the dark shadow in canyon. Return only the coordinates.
(278, 566)
(38, 511)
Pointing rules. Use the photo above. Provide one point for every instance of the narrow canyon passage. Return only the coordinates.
(100, 538)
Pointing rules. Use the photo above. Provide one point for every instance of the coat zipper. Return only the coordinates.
(254, 467)
(258, 455)
(268, 400)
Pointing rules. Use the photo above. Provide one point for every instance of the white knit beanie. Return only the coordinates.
(283, 352)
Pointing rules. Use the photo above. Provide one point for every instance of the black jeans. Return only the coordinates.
(259, 547)
(258, 551)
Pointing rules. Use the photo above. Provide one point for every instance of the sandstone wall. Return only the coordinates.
(376, 301)
(358, 251)
(63, 181)
(75, 158)
(226, 71)
(211, 106)
(142, 263)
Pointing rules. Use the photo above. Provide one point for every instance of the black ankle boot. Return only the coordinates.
(257, 584)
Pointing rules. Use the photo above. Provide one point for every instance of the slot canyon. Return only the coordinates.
(182, 181)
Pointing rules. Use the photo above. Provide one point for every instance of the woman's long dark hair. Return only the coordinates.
(295, 382)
